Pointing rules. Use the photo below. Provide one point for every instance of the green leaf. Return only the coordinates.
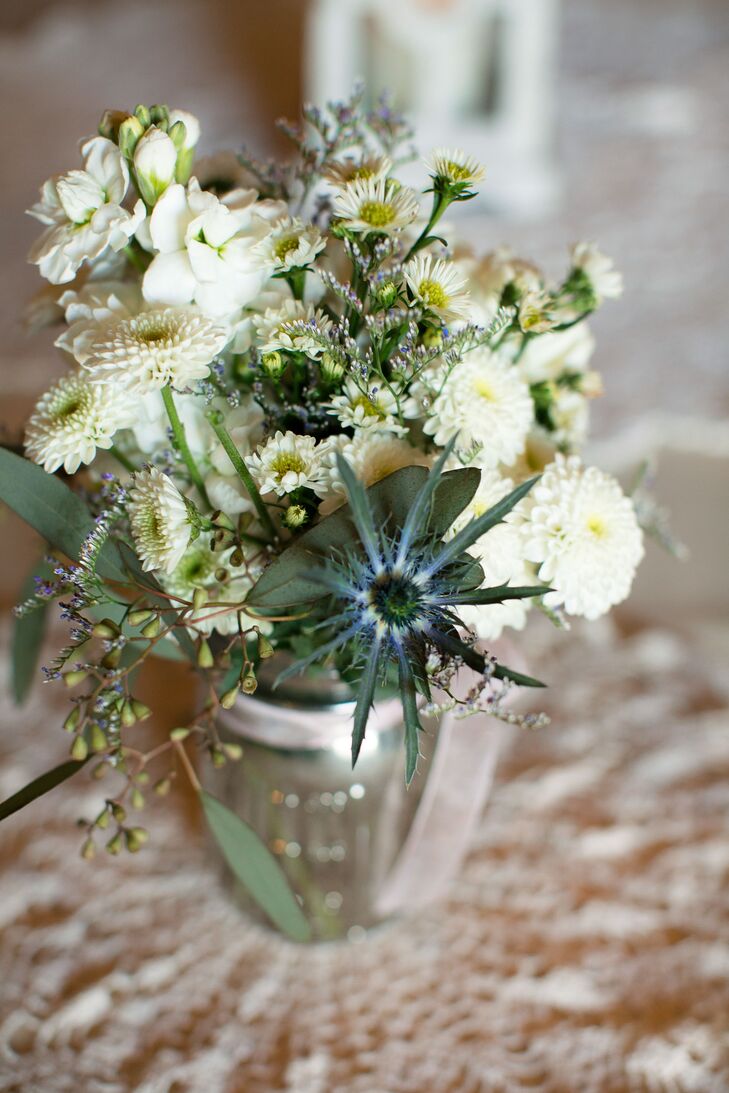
(39, 786)
(28, 633)
(52, 509)
(497, 594)
(256, 868)
(452, 644)
(365, 698)
(412, 720)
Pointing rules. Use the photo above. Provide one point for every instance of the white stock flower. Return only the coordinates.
(71, 421)
(438, 286)
(83, 213)
(199, 568)
(372, 454)
(582, 532)
(155, 159)
(455, 167)
(606, 281)
(144, 353)
(376, 205)
(340, 172)
(290, 245)
(486, 403)
(376, 408)
(206, 248)
(160, 521)
(287, 462)
(280, 328)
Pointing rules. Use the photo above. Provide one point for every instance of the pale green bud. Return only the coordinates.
(248, 682)
(265, 649)
(114, 844)
(136, 800)
(152, 628)
(295, 516)
(73, 678)
(97, 738)
(199, 598)
(332, 369)
(71, 722)
(227, 700)
(130, 132)
(179, 734)
(141, 712)
(79, 749)
(135, 838)
(273, 364)
(205, 655)
(88, 850)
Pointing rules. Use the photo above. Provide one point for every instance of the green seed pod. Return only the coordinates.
(432, 338)
(163, 787)
(227, 700)
(199, 599)
(265, 649)
(248, 682)
(118, 811)
(102, 820)
(71, 722)
(205, 657)
(136, 800)
(88, 850)
(221, 520)
(135, 838)
(73, 678)
(114, 844)
(152, 628)
(218, 758)
(112, 658)
(79, 749)
(128, 716)
(136, 618)
(100, 770)
(233, 751)
(97, 738)
(141, 712)
(107, 628)
(179, 734)
(143, 778)
(237, 558)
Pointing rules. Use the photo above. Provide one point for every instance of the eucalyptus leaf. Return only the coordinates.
(28, 633)
(39, 786)
(256, 868)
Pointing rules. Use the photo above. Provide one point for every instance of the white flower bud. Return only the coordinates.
(155, 159)
(192, 126)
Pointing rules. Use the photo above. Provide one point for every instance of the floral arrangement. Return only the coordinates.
(299, 424)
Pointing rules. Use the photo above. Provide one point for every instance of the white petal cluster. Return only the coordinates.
(606, 281)
(375, 205)
(199, 568)
(339, 173)
(582, 532)
(146, 352)
(556, 353)
(287, 462)
(159, 519)
(290, 245)
(294, 327)
(487, 405)
(438, 286)
(374, 408)
(71, 421)
(455, 167)
(84, 214)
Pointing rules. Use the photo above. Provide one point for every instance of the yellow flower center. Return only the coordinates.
(284, 246)
(433, 294)
(68, 405)
(596, 526)
(370, 408)
(483, 388)
(284, 462)
(362, 172)
(377, 213)
(456, 171)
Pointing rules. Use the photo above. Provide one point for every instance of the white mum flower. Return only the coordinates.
(582, 532)
(71, 421)
(372, 454)
(339, 173)
(455, 167)
(376, 205)
(83, 213)
(375, 409)
(290, 245)
(200, 568)
(438, 286)
(606, 281)
(487, 404)
(287, 462)
(160, 520)
(148, 351)
(501, 554)
(292, 328)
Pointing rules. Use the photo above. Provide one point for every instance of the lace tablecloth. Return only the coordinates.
(585, 946)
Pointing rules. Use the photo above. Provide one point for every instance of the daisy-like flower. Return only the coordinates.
(582, 532)
(355, 409)
(340, 172)
(200, 568)
(454, 167)
(536, 312)
(290, 245)
(295, 328)
(438, 286)
(71, 421)
(376, 205)
(606, 282)
(286, 462)
(160, 520)
(155, 348)
(487, 405)
(372, 455)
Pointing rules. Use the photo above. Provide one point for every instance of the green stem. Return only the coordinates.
(297, 279)
(135, 258)
(440, 204)
(121, 458)
(180, 443)
(243, 473)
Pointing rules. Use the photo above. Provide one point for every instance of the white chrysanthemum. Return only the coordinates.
(281, 328)
(71, 421)
(582, 531)
(375, 409)
(486, 403)
(286, 462)
(438, 286)
(455, 167)
(340, 173)
(290, 245)
(160, 520)
(606, 281)
(200, 568)
(372, 454)
(501, 554)
(376, 206)
(155, 348)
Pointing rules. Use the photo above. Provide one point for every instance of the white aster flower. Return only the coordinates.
(199, 568)
(71, 421)
(582, 532)
(83, 213)
(438, 286)
(295, 328)
(340, 172)
(376, 206)
(287, 462)
(501, 554)
(487, 405)
(606, 281)
(290, 245)
(155, 348)
(375, 409)
(372, 454)
(455, 167)
(160, 520)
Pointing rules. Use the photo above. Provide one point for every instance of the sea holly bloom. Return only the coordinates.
(84, 214)
(287, 462)
(376, 205)
(162, 521)
(339, 173)
(291, 244)
(438, 287)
